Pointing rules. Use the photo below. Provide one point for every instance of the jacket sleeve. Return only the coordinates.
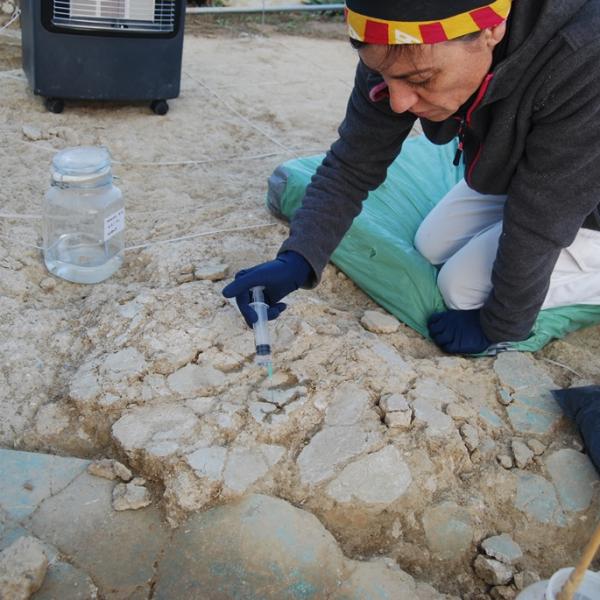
(555, 187)
(370, 138)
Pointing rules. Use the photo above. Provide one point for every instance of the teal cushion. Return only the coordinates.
(378, 253)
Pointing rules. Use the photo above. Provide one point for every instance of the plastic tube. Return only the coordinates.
(262, 339)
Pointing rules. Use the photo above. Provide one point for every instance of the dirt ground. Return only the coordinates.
(253, 95)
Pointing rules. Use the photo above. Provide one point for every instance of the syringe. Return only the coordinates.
(261, 329)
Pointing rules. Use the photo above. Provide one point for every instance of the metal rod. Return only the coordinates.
(219, 10)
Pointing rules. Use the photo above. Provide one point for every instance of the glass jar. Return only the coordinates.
(84, 217)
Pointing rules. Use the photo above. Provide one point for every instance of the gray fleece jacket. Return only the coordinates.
(532, 132)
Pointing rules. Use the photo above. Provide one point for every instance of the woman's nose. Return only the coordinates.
(402, 97)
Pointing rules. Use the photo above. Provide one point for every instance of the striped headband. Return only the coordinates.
(372, 21)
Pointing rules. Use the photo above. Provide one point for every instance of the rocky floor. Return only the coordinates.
(460, 472)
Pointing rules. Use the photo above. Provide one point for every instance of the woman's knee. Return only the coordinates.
(428, 244)
(458, 289)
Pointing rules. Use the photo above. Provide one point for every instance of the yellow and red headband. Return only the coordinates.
(370, 21)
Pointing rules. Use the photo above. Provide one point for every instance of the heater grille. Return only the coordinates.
(113, 15)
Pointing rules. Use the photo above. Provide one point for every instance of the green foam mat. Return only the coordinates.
(378, 253)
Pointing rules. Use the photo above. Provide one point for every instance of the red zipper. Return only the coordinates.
(480, 94)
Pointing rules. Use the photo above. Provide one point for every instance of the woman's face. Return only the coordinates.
(435, 80)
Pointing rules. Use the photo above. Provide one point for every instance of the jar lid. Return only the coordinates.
(81, 164)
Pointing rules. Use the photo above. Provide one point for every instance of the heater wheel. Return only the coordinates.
(160, 107)
(54, 105)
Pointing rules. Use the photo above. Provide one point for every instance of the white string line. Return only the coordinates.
(12, 19)
(240, 115)
(19, 216)
(11, 75)
(206, 161)
(16, 241)
(168, 241)
(349, 84)
(174, 163)
(202, 234)
(195, 162)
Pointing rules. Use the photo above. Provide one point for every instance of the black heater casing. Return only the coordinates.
(99, 65)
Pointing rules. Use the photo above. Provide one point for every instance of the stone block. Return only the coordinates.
(63, 581)
(503, 548)
(117, 549)
(23, 567)
(427, 414)
(147, 426)
(130, 496)
(375, 580)
(574, 477)
(378, 322)
(490, 418)
(377, 479)
(394, 403)
(536, 497)
(330, 448)
(196, 380)
(348, 405)
(211, 272)
(398, 420)
(523, 455)
(448, 530)
(109, 469)
(208, 462)
(493, 572)
(245, 466)
(259, 547)
(518, 370)
(29, 478)
(470, 436)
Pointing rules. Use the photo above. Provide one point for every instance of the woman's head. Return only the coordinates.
(430, 79)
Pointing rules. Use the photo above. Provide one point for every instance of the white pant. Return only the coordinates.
(462, 233)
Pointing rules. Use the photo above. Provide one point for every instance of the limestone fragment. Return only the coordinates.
(492, 571)
(48, 284)
(503, 548)
(523, 455)
(503, 592)
(470, 436)
(398, 420)
(525, 579)
(109, 469)
(184, 278)
(460, 411)
(393, 403)
(23, 567)
(377, 322)
(505, 460)
(536, 446)
(211, 272)
(130, 496)
(32, 133)
(282, 397)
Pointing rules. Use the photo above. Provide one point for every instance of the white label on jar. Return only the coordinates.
(114, 224)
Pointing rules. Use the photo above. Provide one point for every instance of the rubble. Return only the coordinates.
(23, 567)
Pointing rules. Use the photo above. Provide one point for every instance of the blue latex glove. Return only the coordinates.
(285, 274)
(458, 332)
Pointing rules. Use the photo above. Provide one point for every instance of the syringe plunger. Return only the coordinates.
(260, 327)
